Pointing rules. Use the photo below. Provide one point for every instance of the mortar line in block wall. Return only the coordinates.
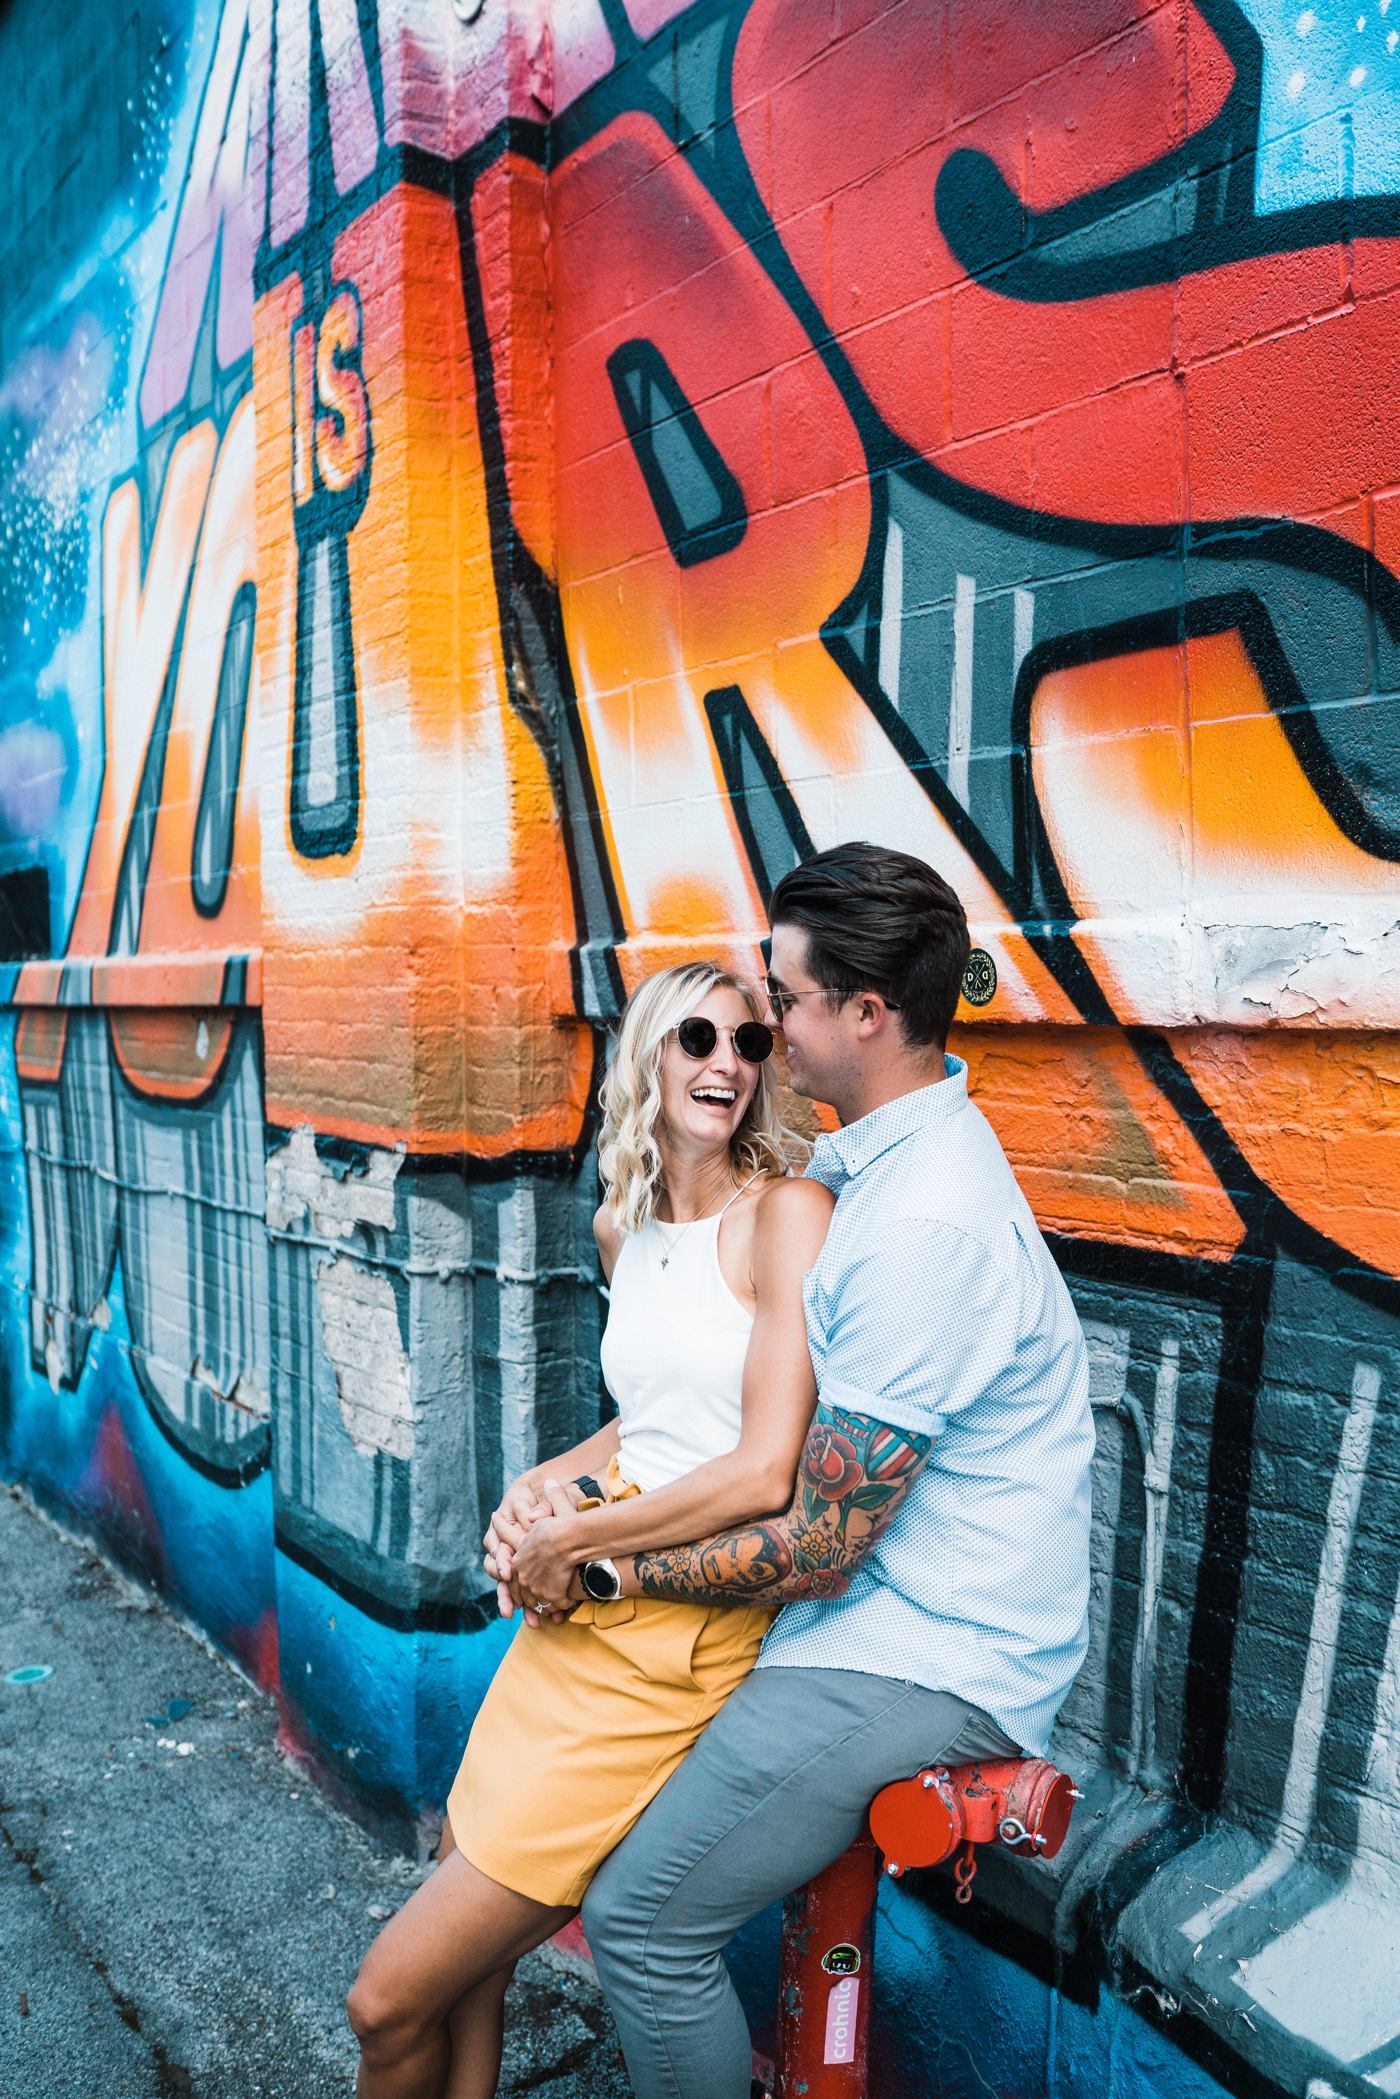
(123, 1187)
(502, 1272)
(529, 1278)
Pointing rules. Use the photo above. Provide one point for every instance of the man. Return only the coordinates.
(935, 1559)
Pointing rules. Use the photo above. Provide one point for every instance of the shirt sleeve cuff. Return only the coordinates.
(919, 1420)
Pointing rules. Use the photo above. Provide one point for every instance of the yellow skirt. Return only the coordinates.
(582, 1726)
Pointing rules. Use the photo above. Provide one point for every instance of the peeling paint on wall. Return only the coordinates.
(360, 1334)
(301, 1187)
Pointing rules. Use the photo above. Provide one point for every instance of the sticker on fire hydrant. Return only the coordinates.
(841, 1960)
(841, 2021)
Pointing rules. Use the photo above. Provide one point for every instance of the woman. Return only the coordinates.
(704, 1237)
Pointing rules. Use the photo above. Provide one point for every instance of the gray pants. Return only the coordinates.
(775, 1789)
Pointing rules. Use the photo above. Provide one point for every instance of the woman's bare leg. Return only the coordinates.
(477, 2023)
(455, 1935)
(478, 2027)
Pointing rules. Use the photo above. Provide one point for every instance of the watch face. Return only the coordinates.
(599, 1583)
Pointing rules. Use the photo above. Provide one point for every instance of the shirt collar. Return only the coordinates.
(839, 1157)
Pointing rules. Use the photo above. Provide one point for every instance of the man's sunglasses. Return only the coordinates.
(698, 1036)
(782, 1001)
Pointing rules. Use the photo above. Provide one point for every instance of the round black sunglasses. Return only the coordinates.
(698, 1036)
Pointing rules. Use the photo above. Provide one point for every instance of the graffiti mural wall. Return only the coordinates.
(488, 487)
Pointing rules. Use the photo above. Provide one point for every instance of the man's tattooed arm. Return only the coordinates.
(853, 1476)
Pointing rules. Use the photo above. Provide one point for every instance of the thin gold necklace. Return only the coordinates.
(666, 1257)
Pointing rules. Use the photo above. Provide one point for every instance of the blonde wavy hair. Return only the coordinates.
(629, 1159)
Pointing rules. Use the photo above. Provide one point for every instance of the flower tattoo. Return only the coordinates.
(831, 1463)
(853, 1475)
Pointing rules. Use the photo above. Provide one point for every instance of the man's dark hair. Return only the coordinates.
(878, 920)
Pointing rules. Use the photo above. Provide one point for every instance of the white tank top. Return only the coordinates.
(673, 1351)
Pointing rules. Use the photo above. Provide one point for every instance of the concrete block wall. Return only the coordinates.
(485, 490)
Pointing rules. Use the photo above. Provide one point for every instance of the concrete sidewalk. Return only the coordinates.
(180, 1913)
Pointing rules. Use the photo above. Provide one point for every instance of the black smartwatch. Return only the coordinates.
(600, 1580)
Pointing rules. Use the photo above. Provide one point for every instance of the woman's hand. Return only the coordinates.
(519, 1505)
(512, 1519)
(501, 1558)
(550, 1550)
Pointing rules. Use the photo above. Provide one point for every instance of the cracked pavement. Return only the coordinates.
(181, 1912)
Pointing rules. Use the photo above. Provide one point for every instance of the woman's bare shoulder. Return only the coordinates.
(608, 1237)
(790, 1228)
(785, 1198)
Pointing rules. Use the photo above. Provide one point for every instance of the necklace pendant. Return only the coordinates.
(665, 1260)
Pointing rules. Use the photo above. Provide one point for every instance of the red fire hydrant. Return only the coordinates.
(828, 1927)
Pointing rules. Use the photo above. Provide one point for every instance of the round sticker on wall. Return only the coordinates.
(979, 982)
(841, 1960)
(30, 1673)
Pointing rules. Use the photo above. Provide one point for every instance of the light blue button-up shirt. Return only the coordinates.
(935, 1306)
